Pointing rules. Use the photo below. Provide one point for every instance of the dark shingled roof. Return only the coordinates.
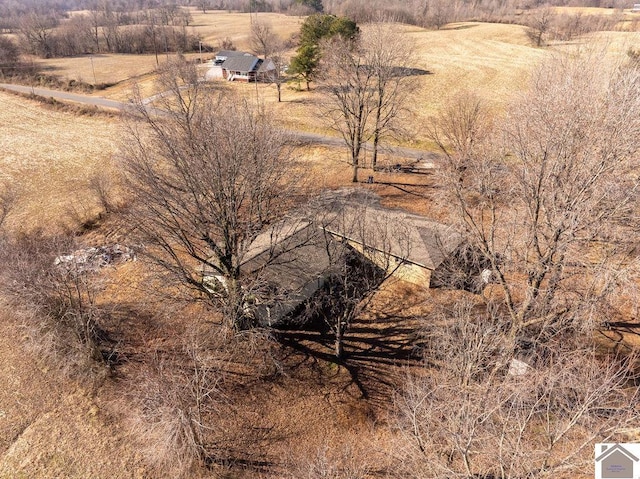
(244, 63)
(294, 269)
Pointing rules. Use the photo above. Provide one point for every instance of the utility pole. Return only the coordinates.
(155, 46)
(93, 70)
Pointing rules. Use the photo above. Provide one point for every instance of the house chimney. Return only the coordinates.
(603, 448)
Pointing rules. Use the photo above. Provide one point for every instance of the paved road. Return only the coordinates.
(63, 95)
(412, 153)
(425, 158)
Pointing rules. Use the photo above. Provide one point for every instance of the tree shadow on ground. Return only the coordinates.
(378, 349)
(409, 72)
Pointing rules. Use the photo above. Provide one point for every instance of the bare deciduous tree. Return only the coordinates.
(209, 173)
(262, 38)
(178, 400)
(279, 62)
(58, 299)
(102, 185)
(366, 81)
(480, 412)
(266, 43)
(9, 57)
(437, 13)
(539, 24)
(549, 197)
(389, 54)
(349, 83)
(36, 32)
(515, 386)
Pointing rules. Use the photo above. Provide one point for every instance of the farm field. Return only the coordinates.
(52, 426)
(51, 156)
(125, 70)
(492, 60)
(216, 25)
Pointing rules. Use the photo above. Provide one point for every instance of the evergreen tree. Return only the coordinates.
(315, 29)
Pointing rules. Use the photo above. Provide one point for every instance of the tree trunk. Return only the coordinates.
(234, 313)
(338, 346)
(374, 158)
(376, 131)
(279, 94)
(355, 156)
(96, 39)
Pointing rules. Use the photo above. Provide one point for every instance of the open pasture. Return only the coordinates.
(491, 60)
(51, 156)
(218, 25)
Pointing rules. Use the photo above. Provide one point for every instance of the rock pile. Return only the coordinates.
(95, 258)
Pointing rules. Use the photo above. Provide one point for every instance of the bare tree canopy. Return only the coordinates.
(209, 174)
(549, 195)
(366, 85)
(265, 42)
(389, 53)
(262, 38)
(480, 412)
(349, 102)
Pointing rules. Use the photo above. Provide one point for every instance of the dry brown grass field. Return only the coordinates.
(492, 60)
(213, 27)
(51, 156)
(108, 68)
(54, 427)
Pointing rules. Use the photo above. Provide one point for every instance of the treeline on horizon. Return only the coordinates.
(47, 28)
(411, 11)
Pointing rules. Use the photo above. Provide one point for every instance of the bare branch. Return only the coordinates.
(209, 176)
